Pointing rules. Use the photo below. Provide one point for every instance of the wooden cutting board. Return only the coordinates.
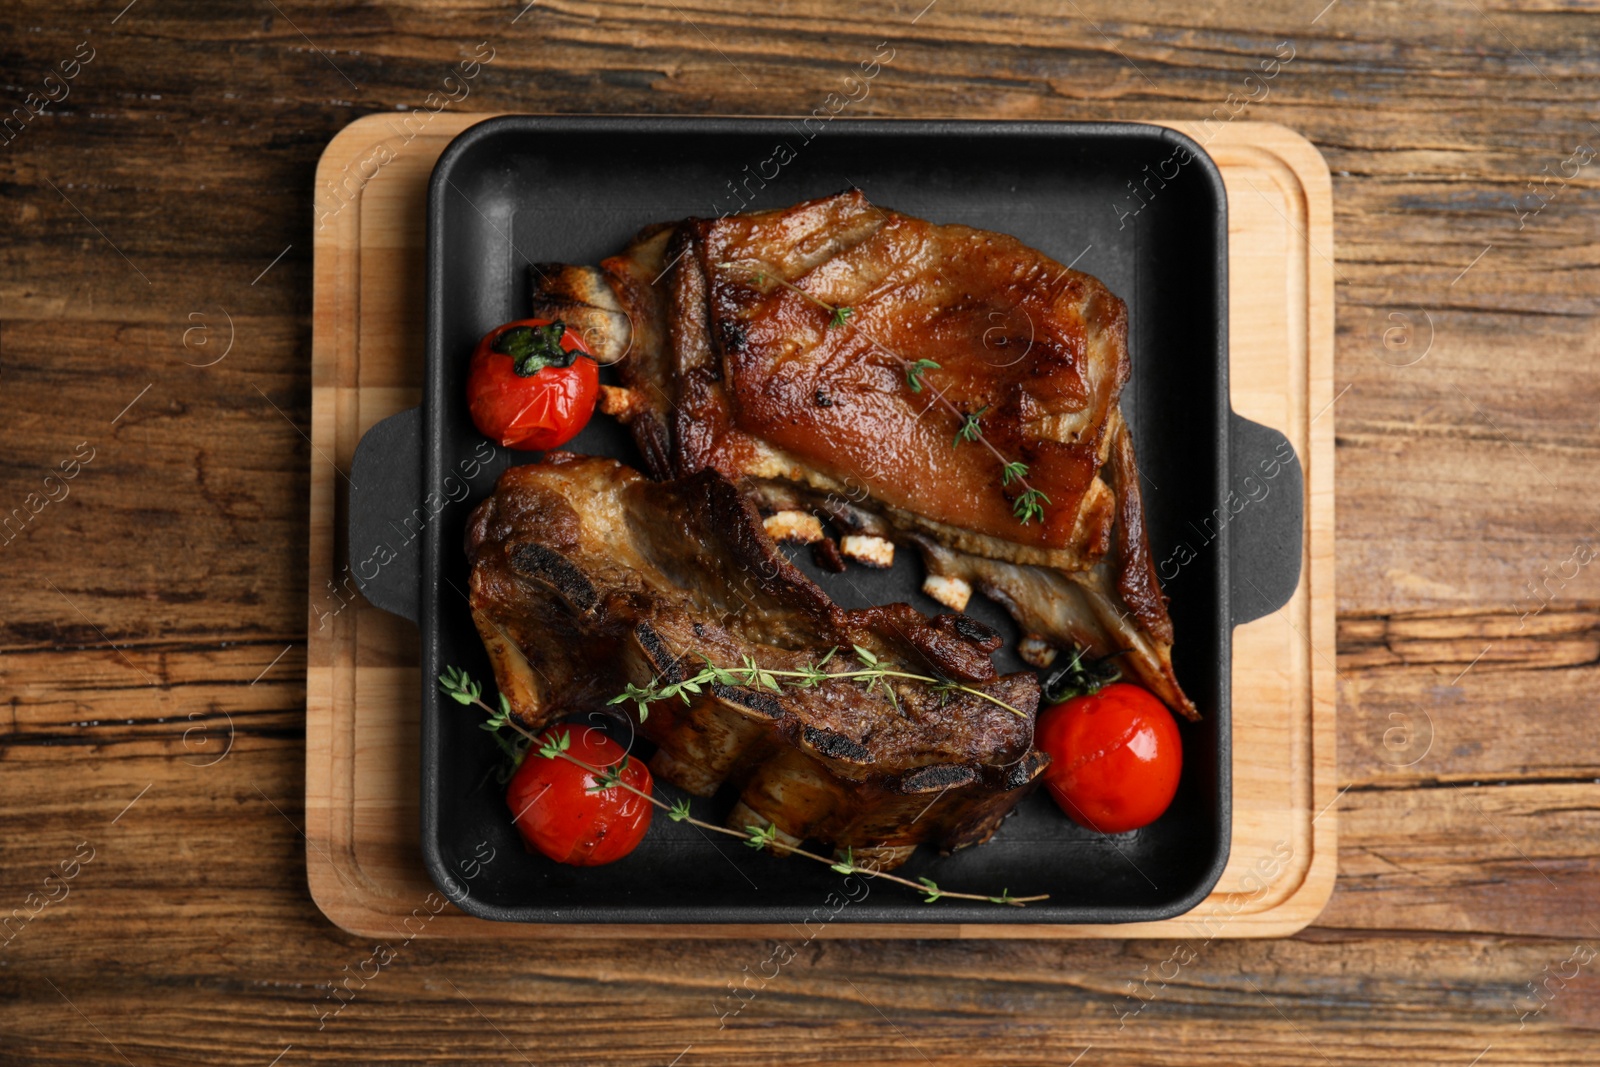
(362, 714)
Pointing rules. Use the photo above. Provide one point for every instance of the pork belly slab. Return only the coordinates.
(586, 576)
(774, 348)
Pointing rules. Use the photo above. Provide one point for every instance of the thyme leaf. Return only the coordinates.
(914, 373)
(970, 428)
(761, 837)
(609, 778)
(1029, 505)
(554, 743)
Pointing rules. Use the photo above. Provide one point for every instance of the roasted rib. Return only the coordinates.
(586, 576)
(736, 357)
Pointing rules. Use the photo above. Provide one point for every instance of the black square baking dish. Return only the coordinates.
(522, 189)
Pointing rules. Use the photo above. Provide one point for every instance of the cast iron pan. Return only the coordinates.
(1141, 207)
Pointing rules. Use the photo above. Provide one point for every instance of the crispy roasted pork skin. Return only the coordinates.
(735, 362)
(587, 576)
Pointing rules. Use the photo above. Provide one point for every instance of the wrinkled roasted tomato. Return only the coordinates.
(1115, 757)
(558, 812)
(532, 384)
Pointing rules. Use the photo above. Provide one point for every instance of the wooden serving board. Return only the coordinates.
(362, 714)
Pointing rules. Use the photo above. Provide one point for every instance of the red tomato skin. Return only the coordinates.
(557, 815)
(543, 411)
(1116, 757)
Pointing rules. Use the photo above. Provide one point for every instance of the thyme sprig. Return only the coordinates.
(872, 671)
(464, 690)
(1029, 504)
(553, 744)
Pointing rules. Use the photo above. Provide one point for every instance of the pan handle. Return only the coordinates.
(1265, 533)
(1268, 489)
(385, 555)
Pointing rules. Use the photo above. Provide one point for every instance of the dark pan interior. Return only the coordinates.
(520, 190)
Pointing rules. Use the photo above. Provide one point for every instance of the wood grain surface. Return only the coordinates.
(154, 616)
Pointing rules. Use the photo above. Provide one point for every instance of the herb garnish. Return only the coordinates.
(464, 690)
(871, 670)
(1029, 505)
(971, 429)
(554, 746)
(914, 373)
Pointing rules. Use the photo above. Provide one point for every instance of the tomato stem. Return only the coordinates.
(533, 348)
(1079, 678)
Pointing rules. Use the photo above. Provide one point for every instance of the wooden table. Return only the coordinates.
(154, 338)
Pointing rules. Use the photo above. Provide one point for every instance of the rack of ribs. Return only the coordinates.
(774, 348)
(586, 576)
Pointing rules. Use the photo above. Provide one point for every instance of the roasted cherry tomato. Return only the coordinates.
(532, 384)
(558, 813)
(1115, 757)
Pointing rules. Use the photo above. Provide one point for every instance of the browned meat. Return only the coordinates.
(586, 577)
(735, 362)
